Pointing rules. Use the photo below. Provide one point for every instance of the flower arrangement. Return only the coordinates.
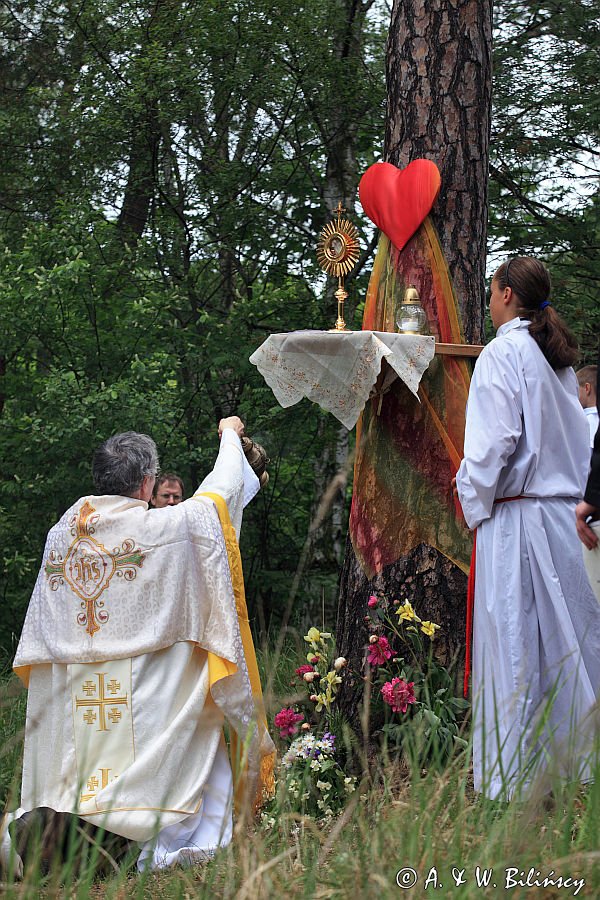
(412, 692)
(315, 781)
(416, 692)
(311, 780)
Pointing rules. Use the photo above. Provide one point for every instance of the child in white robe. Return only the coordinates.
(536, 634)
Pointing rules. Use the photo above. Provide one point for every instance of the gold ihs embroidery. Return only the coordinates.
(88, 567)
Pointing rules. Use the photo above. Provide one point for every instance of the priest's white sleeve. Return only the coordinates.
(493, 428)
(232, 478)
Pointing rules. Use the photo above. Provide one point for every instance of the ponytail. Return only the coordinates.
(555, 340)
(529, 279)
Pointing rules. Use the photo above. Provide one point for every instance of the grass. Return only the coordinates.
(13, 702)
(431, 823)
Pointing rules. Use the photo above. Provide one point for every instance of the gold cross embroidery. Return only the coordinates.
(100, 702)
(88, 567)
(93, 784)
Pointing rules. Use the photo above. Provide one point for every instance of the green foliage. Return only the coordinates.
(160, 203)
(545, 154)
(13, 703)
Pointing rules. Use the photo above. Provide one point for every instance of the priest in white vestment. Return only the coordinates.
(135, 656)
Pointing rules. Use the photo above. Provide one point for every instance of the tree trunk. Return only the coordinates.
(141, 178)
(439, 77)
(439, 102)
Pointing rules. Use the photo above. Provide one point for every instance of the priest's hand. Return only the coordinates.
(232, 422)
(583, 511)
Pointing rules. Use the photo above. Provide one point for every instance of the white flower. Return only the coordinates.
(340, 662)
(323, 785)
(309, 676)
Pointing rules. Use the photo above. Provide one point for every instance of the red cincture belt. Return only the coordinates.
(471, 597)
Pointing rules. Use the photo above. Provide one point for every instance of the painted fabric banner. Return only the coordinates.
(408, 452)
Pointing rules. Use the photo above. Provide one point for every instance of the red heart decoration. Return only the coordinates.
(399, 200)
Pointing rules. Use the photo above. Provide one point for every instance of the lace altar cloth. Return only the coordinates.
(338, 371)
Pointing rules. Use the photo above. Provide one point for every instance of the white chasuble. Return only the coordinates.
(132, 653)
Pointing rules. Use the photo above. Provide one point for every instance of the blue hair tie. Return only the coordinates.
(544, 304)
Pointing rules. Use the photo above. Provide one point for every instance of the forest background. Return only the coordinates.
(166, 170)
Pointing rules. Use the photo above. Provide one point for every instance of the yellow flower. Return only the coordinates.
(322, 701)
(406, 613)
(332, 677)
(429, 628)
(313, 636)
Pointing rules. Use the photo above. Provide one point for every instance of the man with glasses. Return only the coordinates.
(168, 491)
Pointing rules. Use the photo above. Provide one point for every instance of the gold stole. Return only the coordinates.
(219, 668)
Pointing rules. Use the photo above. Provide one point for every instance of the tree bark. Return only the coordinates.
(439, 77)
(439, 103)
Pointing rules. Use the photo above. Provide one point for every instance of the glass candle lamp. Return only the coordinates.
(411, 317)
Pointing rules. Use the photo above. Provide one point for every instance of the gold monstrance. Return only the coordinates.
(337, 253)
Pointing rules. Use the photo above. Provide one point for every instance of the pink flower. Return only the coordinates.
(287, 722)
(372, 601)
(399, 693)
(302, 670)
(379, 652)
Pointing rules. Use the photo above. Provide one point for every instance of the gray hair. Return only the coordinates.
(121, 463)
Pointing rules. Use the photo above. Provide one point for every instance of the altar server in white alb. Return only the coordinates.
(135, 655)
(536, 631)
